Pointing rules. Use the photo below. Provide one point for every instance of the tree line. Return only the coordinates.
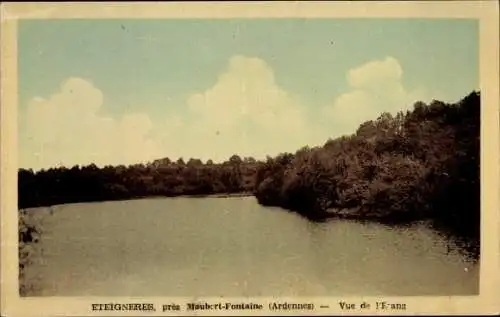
(162, 177)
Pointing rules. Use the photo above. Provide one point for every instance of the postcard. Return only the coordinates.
(250, 158)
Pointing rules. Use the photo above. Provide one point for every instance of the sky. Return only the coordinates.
(128, 91)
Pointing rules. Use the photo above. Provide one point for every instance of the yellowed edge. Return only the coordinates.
(486, 11)
(8, 159)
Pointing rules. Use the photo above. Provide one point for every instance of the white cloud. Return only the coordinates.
(376, 87)
(66, 129)
(374, 73)
(244, 112)
(247, 90)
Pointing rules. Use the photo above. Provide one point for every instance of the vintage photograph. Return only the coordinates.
(248, 157)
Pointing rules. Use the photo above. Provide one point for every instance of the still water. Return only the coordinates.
(235, 247)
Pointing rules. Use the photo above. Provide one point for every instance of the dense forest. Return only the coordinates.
(422, 164)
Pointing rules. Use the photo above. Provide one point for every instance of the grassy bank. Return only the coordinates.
(30, 231)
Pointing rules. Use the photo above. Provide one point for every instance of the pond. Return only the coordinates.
(236, 247)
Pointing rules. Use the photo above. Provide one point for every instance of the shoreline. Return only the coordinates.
(220, 195)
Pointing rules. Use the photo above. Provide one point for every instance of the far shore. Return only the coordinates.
(220, 195)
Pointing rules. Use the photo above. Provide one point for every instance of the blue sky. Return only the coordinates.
(124, 91)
